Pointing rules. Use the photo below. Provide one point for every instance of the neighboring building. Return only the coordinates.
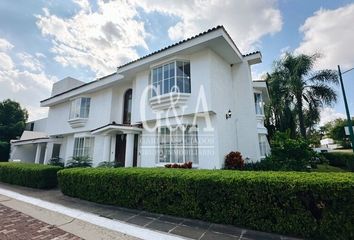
(191, 101)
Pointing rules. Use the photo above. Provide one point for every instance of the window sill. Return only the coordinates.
(168, 100)
(77, 122)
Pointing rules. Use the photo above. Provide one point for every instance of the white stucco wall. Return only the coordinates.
(25, 153)
(118, 101)
(245, 113)
(99, 115)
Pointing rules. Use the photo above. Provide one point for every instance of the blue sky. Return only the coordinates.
(44, 41)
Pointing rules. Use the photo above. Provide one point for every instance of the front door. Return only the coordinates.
(120, 149)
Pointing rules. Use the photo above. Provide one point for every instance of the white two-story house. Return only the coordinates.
(192, 101)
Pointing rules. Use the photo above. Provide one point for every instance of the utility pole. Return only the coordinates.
(350, 126)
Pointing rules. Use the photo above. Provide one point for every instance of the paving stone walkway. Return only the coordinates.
(16, 225)
(187, 228)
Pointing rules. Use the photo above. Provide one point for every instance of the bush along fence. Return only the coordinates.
(29, 175)
(310, 205)
(342, 160)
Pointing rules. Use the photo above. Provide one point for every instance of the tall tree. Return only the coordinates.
(335, 130)
(303, 90)
(12, 123)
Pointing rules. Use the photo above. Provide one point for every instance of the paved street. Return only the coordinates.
(16, 225)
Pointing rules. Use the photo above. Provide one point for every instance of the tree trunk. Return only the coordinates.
(300, 115)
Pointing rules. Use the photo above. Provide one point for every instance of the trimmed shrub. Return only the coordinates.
(290, 154)
(107, 164)
(340, 159)
(234, 160)
(267, 164)
(56, 161)
(311, 205)
(4, 151)
(29, 175)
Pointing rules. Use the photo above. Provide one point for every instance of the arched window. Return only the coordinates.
(127, 106)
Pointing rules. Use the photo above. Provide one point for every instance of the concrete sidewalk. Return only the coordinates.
(156, 226)
(21, 220)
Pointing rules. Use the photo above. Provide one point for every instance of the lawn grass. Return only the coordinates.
(328, 168)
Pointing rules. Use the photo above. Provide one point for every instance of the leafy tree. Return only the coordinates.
(12, 123)
(335, 130)
(297, 93)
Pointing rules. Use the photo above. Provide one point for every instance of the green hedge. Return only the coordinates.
(29, 175)
(311, 205)
(340, 159)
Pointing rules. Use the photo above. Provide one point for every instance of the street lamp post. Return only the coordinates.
(350, 126)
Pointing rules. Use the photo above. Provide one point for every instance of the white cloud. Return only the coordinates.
(328, 114)
(27, 87)
(331, 33)
(30, 62)
(99, 40)
(5, 61)
(108, 36)
(246, 21)
(5, 45)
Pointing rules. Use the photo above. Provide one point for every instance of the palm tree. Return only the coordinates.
(279, 113)
(303, 88)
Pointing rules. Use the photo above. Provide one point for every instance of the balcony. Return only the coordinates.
(77, 122)
(173, 99)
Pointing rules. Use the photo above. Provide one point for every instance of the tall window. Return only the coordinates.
(178, 145)
(127, 107)
(262, 138)
(258, 102)
(80, 108)
(171, 77)
(83, 147)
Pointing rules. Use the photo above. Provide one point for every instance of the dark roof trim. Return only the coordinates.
(83, 85)
(30, 140)
(173, 45)
(72, 89)
(117, 124)
(252, 53)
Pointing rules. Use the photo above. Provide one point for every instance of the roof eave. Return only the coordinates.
(175, 49)
(87, 88)
(253, 58)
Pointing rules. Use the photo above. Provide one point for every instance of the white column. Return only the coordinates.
(129, 150)
(113, 148)
(106, 148)
(38, 153)
(48, 152)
